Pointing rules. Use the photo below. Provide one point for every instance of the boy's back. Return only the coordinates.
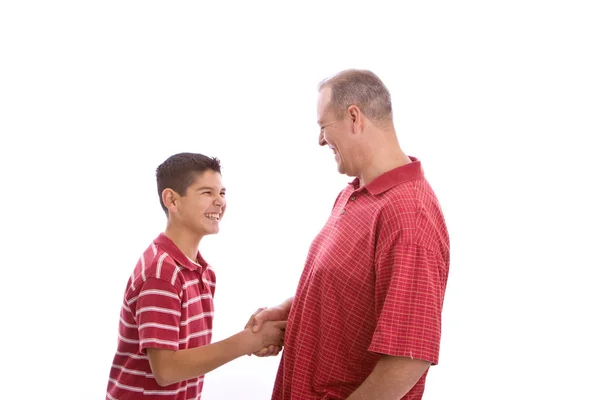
(168, 304)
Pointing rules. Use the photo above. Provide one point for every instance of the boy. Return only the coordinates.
(165, 328)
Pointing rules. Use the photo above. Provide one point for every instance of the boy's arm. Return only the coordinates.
(169, 366)
(157, 311)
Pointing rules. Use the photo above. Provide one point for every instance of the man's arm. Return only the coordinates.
(169, 366)
(391, 378)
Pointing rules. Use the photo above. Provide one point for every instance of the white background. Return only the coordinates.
(500, 100)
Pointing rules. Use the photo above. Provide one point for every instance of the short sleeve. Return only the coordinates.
(408, 295)
(158, 314)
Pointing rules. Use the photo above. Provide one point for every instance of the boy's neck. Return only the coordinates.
(184, 240)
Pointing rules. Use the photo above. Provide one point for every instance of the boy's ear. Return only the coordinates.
(170, 199)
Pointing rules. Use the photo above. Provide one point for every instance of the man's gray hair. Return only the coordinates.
(361, 88)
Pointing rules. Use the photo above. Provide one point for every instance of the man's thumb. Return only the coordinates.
(280, 324)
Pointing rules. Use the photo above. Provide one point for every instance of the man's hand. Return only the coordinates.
(271, 334)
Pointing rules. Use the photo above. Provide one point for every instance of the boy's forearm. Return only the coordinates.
(175, 366)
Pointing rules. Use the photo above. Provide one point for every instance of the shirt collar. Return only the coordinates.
(384, 182)
(171, 248)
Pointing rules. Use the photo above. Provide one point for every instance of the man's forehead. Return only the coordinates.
(324, 95)
(323, 103)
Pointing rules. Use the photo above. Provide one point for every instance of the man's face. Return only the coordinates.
(203, 205)
(335, 133)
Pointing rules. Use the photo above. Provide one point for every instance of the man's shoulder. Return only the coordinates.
(411, 196)
(412, 210)
(400, 203)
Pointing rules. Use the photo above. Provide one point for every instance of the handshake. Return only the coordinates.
(266, 330)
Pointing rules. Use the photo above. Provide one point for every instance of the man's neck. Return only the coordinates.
(184, 240)
(380, 162)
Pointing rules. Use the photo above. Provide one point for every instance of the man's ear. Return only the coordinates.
(170, 199)
(356, 117)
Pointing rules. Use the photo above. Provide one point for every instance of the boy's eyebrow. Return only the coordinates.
(210, 188)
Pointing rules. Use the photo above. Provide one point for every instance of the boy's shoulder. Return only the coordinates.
(156, 262)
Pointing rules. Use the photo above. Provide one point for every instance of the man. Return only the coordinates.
(165, 328)
(365, 322)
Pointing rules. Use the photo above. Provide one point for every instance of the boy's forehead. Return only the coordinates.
(208, 178)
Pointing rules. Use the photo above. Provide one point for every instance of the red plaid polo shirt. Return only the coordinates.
(168, 304)
(373, 283)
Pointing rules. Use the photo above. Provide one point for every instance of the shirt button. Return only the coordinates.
(343, 211)
(353, 198)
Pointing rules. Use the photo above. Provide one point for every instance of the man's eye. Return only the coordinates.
(223, 194)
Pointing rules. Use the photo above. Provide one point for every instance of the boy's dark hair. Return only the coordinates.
(179, 171)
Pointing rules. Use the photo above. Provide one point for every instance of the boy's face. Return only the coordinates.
(203, 205)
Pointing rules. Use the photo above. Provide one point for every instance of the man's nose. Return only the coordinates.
(322, 141)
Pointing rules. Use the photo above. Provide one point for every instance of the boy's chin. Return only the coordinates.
(212, 230)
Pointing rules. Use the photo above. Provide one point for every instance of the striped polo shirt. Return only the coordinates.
(168, 304)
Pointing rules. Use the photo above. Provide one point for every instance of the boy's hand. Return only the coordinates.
(256, 321)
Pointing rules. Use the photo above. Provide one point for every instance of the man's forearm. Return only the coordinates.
(170, 366)
(286, 305)
(391, 379)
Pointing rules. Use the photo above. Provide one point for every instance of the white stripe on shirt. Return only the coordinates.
(159, 341)
(143, 260)
(133, 371)
(160, 263)
(153, 291)
(127, 387)
(195, 335)
(174, 277)
(197, 299)
(156, 325)
(158, 309)
(190, 283)
(197, 317)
